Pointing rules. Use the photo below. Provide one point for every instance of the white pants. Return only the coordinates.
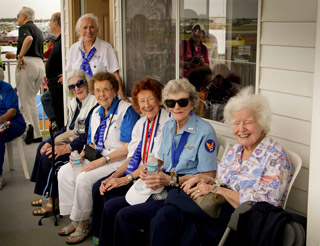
(75, 189)
(1, 74)
(28, 81)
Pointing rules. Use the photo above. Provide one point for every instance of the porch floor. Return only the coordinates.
(17, 224)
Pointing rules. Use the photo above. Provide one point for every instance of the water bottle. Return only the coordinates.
(152, 165)
(76, 158)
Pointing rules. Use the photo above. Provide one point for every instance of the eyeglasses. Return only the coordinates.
(80, 84)
(145, 100)
(183, 102)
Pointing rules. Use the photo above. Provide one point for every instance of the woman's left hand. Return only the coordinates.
(93, 165)
(200, 190)
(117, 182)
(157, 181)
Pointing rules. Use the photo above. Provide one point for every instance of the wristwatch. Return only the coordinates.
(130, 177)
(172, 182)
(214, 189)
(107, 159)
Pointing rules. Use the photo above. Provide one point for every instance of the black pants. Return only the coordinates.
(56, 93)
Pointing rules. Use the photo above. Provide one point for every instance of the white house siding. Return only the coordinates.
(287, 58)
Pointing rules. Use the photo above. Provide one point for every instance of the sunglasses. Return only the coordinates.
(80, 84)
(183, 102)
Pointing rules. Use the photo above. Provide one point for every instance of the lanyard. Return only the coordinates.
(175, 154)
(145, 154)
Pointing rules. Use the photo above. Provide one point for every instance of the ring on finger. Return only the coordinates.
(198, 191)
(110, 185)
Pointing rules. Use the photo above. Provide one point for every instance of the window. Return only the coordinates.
(228, 47)
(149, 38)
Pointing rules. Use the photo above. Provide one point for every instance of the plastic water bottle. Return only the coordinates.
(152, 165)
(76, 158)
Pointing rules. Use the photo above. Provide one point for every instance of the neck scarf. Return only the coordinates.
(85, 66)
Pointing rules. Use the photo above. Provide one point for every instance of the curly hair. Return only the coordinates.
(104, 76)
(145, 84)
(256, 103)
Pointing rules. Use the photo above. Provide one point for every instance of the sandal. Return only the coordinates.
(44, 210)
(37, 203)
(78, 236)
(67, 230)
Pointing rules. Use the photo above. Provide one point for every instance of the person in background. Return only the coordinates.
(92, 54)
(109, 134)
(1, 67)
(256, 169)
(49, 43)
(29, 71)
(54, 72)
(9, 111)
(193, 53)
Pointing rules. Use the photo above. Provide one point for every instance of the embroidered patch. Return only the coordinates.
(210, 145)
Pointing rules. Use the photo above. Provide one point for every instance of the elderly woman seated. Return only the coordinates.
(188, 147)
(146, 139)
(71, 137)
(109, 134)
(255, 169)
(9, 111)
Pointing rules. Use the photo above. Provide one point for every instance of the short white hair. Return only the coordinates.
(259, 106)
(92, 17)
(29, 12)
(178, 85)
(77, 73)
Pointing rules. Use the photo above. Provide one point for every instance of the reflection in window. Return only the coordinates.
(218, 49)
(149, 35)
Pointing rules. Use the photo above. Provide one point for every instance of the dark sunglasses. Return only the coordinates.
(79, 84)
(183, 102)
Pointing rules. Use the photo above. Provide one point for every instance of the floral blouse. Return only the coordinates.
(264, 176)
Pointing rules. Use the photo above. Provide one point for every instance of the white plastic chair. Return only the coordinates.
(18, 140)
(296, 162)
(224, 144)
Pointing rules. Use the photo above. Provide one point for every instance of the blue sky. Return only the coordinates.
(43, 8)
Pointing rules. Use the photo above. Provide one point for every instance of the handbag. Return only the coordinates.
(211, 204)
(90, 153)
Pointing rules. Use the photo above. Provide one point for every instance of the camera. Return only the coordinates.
(196, 59)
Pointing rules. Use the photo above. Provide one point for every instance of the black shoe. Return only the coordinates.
(37, 140)
(29, 135)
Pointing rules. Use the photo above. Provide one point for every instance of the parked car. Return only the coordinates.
(8, 40)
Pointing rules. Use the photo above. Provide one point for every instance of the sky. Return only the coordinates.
(43, 8)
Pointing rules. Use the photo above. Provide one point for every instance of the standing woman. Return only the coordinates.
(110, 131)
(92, 54)
(188, 147)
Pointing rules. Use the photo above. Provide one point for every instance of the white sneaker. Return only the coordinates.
(2, 182)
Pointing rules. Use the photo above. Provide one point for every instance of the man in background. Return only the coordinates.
(54, 72)
(29, 71)
(49, 42)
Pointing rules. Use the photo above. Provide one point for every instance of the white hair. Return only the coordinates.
(181, 85)
(78, 73)
(29, 12)
(92, 17)
(256, 103)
